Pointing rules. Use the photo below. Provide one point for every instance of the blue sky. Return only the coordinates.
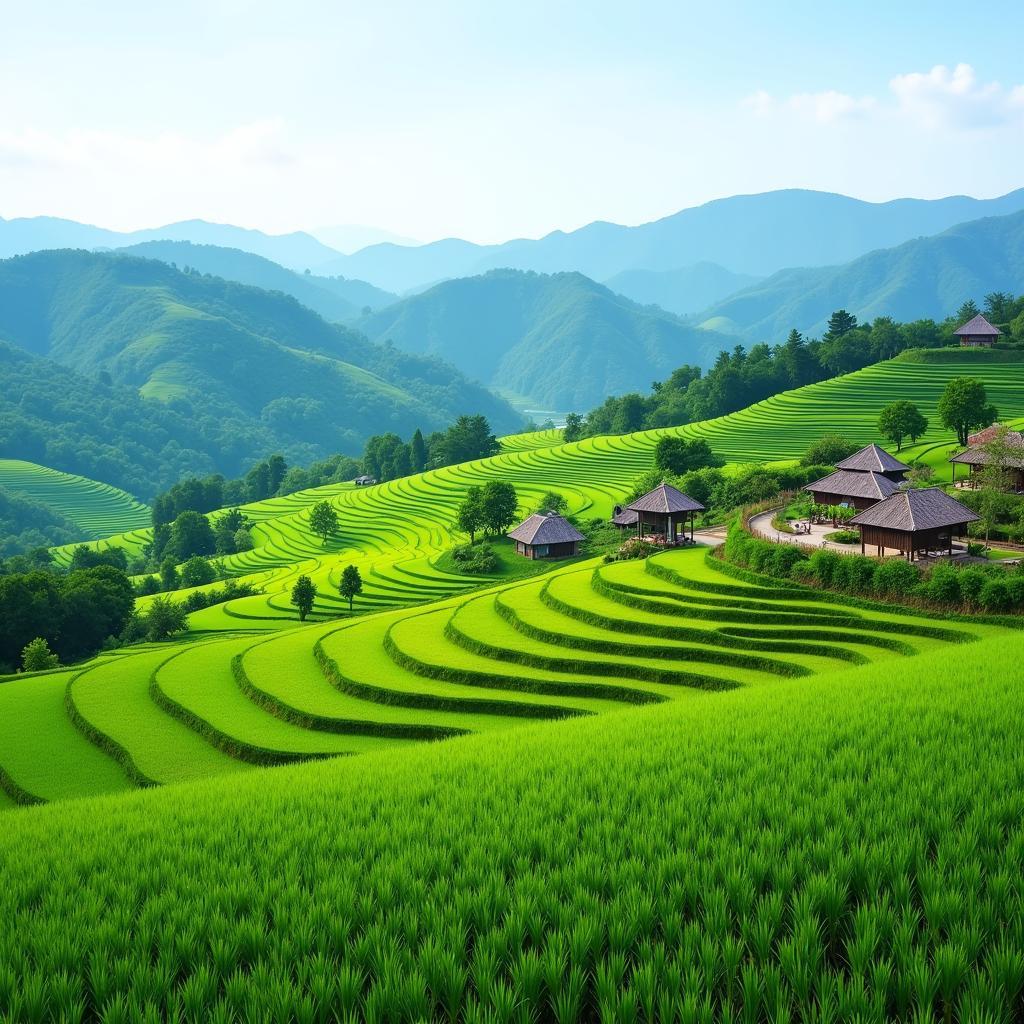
(488, 121)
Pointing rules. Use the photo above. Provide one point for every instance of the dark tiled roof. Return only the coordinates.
(546, 528)
(979, 457)
(872, 459)
(846, 483)
(926, 509)
(625, 517)
(665, 498)
(978, 325)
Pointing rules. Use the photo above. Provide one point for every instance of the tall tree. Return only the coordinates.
(499, 505)
(968, 311)
(323, 520)
(964, 407)
(998, 306)
(839, 323)
(418, 452)
(351, 584)
(471, 516)
(899, 420)
(191, 534)
(573, 429)
(276, 470)
(303, 596)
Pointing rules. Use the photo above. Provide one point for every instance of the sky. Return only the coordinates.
(489, 121)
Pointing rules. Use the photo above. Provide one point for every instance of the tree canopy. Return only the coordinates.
(964, 406)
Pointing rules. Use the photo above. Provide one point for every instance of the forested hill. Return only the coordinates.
(561, 339)
(927, 277)
(196, 364)
(334, 298)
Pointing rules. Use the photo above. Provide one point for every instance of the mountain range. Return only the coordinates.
(563, 340)
(253, 371)
(925, 277)
(754, 235)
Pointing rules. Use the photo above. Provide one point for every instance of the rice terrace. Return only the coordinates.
(597, 597)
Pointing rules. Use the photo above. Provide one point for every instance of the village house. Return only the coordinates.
(860, 481)
(977, 333)
(546, 535)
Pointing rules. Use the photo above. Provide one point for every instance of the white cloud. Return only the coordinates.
(829, 106)
(956, 98)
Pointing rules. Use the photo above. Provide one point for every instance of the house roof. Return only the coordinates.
(847, 483)
(991, 433)
(872, 459)
(977, 325)
(546, 528)
(980, 457)
(665, 498)
(909, 511)
(625, 517)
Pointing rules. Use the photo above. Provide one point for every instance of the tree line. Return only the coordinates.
(742, 377)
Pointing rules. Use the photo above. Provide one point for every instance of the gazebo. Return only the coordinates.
(977, 333)
(546, 535)
(662, 511)
(914, 521)
(976, 458)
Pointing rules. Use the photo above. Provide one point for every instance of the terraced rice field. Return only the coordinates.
(394, 531)
(585, 639)
(98, 510)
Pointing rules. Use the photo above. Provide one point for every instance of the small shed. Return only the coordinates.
(623, 517)
(873, 459)
(546, 535)
(365, 481)
(846, 487)
(661, 513)
(913, 522)
(977, 333)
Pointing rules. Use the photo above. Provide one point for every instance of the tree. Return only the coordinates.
(323, 520)
(995, 481)
(573, 429)
(169, 574)
(678, 455)
(418, 452)
(899, 420)
(967, 311)
(191, 534)
(276, 470)
(839, 323)
(303, 596)
(629, 414)
(37, 657)
(243, 540)
(552, 501)
(196, 572)
(827, 451)
(164, 618)
(964, 407)
(499, 506)
(470, 516)
(998, 306)
(351, 584)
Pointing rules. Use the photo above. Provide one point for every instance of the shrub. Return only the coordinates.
(894, 577)
(37, 657)
(196, 572)
(476, 559)
(164, 618)
(843, 537)
(975, 549)
(995, 595)
(632, 548)
(943, 585)
(971, 582)
(825, 565)
(828, 450)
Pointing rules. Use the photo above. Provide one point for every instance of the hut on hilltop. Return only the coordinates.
(977, 333)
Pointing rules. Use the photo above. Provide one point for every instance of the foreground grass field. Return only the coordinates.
(585, 639)
(838, 847)
(98, 510)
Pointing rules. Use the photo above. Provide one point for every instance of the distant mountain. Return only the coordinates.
(683, 291)
(349, 238)
(296, 250)
(927, 277)
(755, 235)
(245, 371)
(334, 298)
(562, 340)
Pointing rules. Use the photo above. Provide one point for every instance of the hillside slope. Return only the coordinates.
(926, 277)
(561, 339)
(753, 234)
(334, 298)
(683, 291)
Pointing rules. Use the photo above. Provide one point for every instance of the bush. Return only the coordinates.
(36, 657)
(894, 578)
(975, 549)
(828, 450)
(972, 581)
(825, 565)
(843, 537)
(995, 596)
(196, 572)
(164, 618)
(943, 585)
(632, 548)
(476, 559)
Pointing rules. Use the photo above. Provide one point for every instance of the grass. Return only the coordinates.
(840, 847)
(1000, 553)
(584, 638)
(97, 509)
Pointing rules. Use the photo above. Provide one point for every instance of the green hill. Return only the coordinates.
(926, 277)
(563, 340)
(227, 371)
(334, 298)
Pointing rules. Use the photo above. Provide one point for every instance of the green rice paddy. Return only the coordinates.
(98, 510)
